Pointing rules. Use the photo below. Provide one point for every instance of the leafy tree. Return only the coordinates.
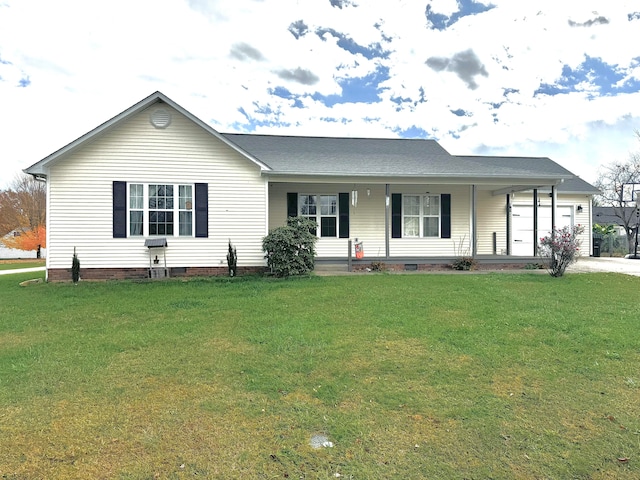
(611, 183)
(290, 250)
(28, 240)
(23, 210)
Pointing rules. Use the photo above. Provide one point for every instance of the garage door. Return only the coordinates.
(522, 226)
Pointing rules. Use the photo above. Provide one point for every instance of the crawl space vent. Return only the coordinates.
(160, 118)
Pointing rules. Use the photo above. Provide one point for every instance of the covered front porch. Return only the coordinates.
(411, 225)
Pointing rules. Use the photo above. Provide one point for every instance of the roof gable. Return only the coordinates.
(40, 168)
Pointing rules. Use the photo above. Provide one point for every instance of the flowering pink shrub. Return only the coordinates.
(562, 248)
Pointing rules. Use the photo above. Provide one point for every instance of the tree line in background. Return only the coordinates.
(23, 214)
(616, 183)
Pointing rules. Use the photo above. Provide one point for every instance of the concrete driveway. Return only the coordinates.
(22, 270)
(606, 264)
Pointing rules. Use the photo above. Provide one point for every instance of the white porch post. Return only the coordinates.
(554, 200)
(387, 215)
(508, 224)
(535, 222)
(474, 221)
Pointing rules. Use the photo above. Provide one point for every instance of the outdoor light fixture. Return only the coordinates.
(579, 208)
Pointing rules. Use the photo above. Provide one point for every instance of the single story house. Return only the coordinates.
(157, 188)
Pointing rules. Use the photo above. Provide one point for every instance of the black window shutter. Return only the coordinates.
(202, 210)
(292, 204)
(445, 221)
(119, 209)
(343, 214)
(396, 215)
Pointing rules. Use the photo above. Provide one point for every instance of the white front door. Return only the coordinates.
(522, 226)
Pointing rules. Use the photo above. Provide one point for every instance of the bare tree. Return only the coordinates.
(613, 184)
(23, 205)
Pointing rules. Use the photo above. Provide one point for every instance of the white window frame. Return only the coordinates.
(181, 205)
(422, 215)
(320, 208)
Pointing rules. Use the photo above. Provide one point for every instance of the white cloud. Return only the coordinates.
(85, 63)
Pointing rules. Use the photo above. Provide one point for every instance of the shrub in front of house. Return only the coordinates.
(561, 248)
(290, 250)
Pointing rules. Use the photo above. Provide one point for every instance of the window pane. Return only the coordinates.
(185, 228)
(412, 205)
(136, 198)
(185, 200)
(161, 196)
(412, 226)
(135, 223)
(160, 223)
(328, 204)
(431, 227)
(432, 205)
(307, 204)
(328, 227)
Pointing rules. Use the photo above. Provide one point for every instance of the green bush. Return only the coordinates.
(232, 260)
(290, 250)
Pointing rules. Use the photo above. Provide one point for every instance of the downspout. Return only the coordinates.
(535, 222)
(387, 207)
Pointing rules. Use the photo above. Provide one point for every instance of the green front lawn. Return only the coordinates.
(408, 376)
(22, 263)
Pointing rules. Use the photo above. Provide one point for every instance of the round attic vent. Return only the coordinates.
(160, 118)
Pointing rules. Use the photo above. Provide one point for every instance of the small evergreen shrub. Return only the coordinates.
(464, 263)
(378, 266)
(75, 267)
(464, 260)
(290, 250)
(232, 260)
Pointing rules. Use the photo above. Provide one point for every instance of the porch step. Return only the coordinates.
(330, 268)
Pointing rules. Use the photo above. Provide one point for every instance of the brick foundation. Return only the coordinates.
(93, 274)
(439, 267)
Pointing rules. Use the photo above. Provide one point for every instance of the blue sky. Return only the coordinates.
(482, 77)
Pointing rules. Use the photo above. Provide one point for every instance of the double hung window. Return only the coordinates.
(160, 209)
(322, 209)
(421, 215)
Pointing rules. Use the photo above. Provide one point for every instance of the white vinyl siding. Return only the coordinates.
(491, 212)
(367, 219)
(137, 153)
(435, 246)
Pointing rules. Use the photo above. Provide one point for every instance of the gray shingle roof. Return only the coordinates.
(577, 185)
(607, 215)
(385, 158)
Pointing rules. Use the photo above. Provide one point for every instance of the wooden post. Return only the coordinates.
(349, 266)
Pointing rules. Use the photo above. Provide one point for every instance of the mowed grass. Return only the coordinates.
(14, 264)
(409, 376)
